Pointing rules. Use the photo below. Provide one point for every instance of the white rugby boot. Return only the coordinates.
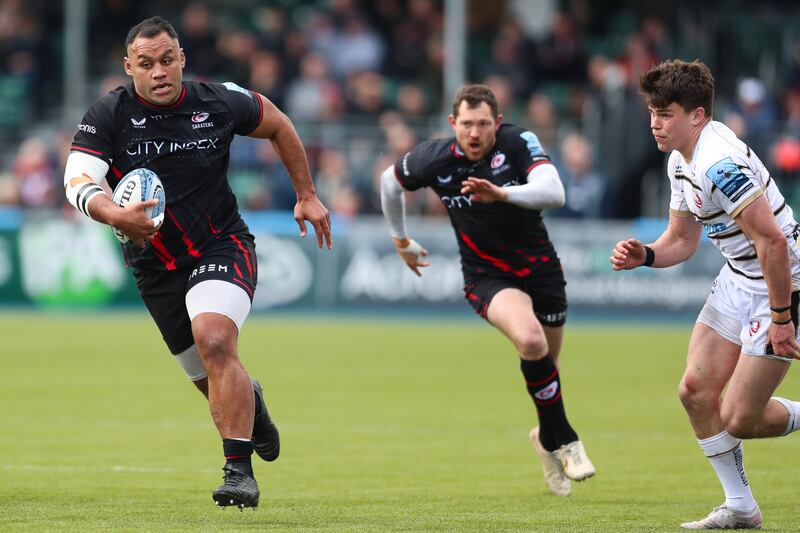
(558, 483)
(574, 461)
(723, 518)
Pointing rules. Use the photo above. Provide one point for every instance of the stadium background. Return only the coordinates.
(399, 409)
(364, 82)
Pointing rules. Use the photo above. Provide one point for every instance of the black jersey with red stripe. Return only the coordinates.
(497, 238)
(188, 145)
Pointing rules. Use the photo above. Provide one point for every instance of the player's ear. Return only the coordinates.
(126, 62)
(698, 116)
(452, 120)
(183, 59)
(498, 120)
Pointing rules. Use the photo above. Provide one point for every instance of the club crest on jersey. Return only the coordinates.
(754, 325)
(498, 159)
(199, 119)
(138, 123)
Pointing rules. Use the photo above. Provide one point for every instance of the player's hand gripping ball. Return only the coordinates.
(140, 185)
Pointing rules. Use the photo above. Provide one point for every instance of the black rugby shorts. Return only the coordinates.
(546, 289)
(231, 258)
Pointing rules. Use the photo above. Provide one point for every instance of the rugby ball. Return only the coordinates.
(139, 185)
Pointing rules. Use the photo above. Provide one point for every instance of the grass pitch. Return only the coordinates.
(385, 426)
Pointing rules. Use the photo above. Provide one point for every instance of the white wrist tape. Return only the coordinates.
(80, 164)
(413, 248)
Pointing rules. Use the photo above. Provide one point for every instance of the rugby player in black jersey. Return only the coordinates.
(197, 271)
(495, 179)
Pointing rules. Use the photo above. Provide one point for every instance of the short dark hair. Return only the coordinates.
(150, 28)
(474, 96)
(690, 85)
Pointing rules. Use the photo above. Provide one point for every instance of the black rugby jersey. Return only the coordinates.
(188, 145)
(498, 238)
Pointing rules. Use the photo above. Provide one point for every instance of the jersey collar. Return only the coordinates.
(154, 106)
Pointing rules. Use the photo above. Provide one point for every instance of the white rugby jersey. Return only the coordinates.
(723, 177)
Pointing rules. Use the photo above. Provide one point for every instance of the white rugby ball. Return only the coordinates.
(139, 185)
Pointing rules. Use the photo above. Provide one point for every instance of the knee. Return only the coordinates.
(532, 346)
(215, 347)
(737, 424)
(693, 396)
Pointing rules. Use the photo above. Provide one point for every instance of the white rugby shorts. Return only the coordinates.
(740, 316)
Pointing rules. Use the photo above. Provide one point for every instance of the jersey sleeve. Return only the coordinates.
(733, 184)
(677, 201)
(95, 132)
(412, 170)
(246, 107)
(527, 150)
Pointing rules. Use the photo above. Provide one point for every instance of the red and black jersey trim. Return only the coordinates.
(156, 106)
(95, 153)
(258, 97)
(536, 164)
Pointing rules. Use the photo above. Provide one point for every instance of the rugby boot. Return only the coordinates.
(239, 488)
(266, 441)
(723, 518)
(554, 476)
(574, 460)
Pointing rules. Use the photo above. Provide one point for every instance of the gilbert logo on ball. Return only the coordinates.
(139, 185)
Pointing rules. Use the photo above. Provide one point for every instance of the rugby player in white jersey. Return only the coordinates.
(745, 335)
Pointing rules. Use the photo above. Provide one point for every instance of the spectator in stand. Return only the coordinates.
(37, 181)
(583, 185)
(541, 116)
(265, 76)
(314, 96)
(199, 41)
(757, 112)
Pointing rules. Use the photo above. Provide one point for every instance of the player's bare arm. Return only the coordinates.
(758, 223)
(277, 127)
(677, 244)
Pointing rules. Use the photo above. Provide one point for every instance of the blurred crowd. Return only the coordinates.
(362, 81)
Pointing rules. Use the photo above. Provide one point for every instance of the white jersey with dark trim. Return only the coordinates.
(723, 177)
(188, 145)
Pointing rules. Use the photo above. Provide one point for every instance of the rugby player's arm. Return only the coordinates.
(758, 223)
(394, 211)
(543, 190)
(677, 244)
(277, 127)
(679, 241)
(82, 177)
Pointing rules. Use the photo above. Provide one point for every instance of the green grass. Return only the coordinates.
(385, 425)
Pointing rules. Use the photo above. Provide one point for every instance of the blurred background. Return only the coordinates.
(363, 82)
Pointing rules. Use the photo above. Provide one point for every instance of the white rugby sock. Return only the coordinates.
(726, 456)
(793, 423)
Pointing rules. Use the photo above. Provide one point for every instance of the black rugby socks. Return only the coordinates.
(239, 452)
(544, 386)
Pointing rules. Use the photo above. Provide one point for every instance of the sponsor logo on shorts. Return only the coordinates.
(754, 325)
(551, 318)
(547, 392)
(208, 268)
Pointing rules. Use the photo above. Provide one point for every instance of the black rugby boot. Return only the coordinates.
(266, 441)
(239, 489)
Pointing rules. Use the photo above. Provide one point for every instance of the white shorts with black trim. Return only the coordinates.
(740, 316)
